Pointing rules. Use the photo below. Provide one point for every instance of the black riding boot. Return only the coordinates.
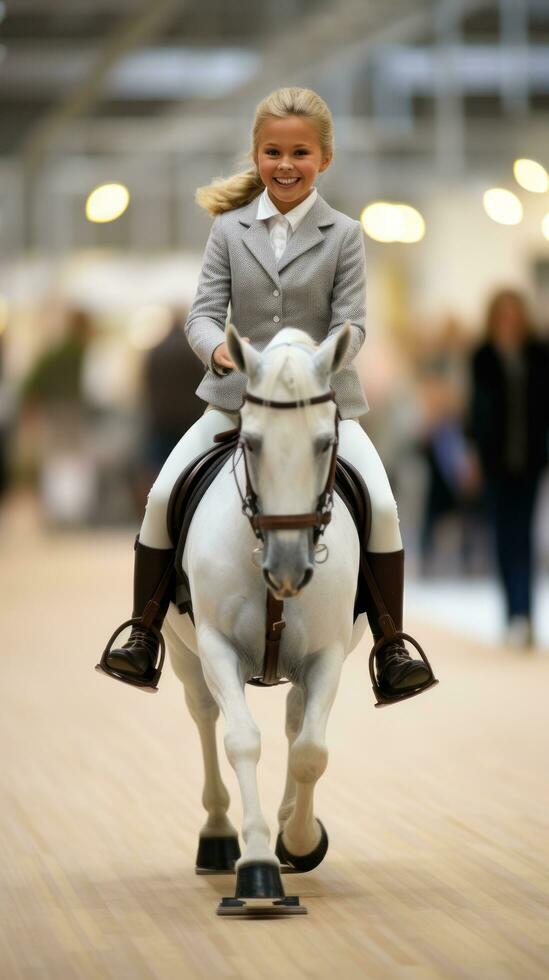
(136, 661)
(398, 675)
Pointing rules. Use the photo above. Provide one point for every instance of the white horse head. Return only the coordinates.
(288, 452)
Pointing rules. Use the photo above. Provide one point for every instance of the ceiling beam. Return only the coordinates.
(132, 32)
(349, 32)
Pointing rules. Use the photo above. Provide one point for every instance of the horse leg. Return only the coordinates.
(294, 718)
(303, 841)
(258, 870)
(218, 839)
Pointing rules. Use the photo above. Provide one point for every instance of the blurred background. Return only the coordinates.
(112, 115)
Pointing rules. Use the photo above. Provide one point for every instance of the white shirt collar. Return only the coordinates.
(266, 208)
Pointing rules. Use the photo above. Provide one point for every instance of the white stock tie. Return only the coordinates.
(279, 234)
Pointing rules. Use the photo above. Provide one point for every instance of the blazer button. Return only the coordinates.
(276, 319)
(276, 292)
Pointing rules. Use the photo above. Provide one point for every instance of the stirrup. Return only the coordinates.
(382, 698)
(150, 684)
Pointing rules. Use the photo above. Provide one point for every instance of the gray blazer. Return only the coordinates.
(317, 284)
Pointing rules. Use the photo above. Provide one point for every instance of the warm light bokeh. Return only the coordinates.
(107, 202)
(503, 206)
(391, 222)
(531, 175)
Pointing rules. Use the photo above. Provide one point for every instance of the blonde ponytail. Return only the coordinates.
(226, 194)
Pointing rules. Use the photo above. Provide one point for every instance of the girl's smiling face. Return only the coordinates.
(289, 157)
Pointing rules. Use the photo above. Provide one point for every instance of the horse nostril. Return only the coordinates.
(270, 580)
(306, 578)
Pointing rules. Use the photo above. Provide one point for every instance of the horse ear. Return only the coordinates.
(245, 357)
(330, 355)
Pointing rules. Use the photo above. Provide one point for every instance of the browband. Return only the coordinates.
(300, 403)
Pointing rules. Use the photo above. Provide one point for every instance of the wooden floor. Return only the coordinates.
(437, 809)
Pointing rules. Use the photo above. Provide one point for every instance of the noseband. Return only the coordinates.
(319, 518)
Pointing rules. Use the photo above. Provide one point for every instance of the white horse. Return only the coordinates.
(288, 455)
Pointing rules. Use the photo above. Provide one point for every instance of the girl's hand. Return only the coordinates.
(221, 355)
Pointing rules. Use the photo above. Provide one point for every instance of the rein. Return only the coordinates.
(317, 520)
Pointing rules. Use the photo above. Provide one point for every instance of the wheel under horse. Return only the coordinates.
(272, 602)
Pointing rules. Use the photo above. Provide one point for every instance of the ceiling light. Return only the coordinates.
(389, 222)
(107, 202)
(502, 206)
(531, 175)
(413, 224)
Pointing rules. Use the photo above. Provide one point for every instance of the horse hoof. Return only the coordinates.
(303, 862)
(217, 854)
(259, 879)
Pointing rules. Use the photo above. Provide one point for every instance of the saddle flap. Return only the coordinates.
(353, 491)
(187, 493)
(194, 481)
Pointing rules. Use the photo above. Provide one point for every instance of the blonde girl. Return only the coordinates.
(281, 257)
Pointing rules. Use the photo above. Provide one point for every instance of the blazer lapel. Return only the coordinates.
(308, 233)
(256, 239)
(256, 236)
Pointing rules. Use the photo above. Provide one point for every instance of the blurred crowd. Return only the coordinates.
(479, 404)
(485, 432)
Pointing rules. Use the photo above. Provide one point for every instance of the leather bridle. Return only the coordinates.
(317, 519)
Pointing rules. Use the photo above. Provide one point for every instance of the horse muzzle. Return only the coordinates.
(287, 566)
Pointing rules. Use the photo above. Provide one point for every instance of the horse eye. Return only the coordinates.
(253, 445)
(323, 447)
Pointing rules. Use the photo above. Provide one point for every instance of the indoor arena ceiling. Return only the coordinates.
(161, 94)
(93, 75)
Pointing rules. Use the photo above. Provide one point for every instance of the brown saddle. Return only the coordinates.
(197, 477)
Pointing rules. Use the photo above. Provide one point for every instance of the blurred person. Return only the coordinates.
(55, 379)
(53, 392)
(453, 478)
(509, 425)
(283, 257)
(171, 373)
